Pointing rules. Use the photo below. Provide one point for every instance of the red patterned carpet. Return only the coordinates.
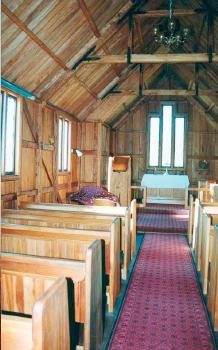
(162, 218)
(163, 309)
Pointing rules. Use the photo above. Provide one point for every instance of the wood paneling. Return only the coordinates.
(130, 138)
(38, 174)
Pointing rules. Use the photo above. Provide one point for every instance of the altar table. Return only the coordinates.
(166, 188)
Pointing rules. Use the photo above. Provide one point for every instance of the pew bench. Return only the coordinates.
(48, 328)
(87, 294)
(127, 215)
(200, 207)
(213, 283)
(67, 244)
(207, 240)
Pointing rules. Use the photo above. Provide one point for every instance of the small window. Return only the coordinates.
(9, 134)
(63, 144)
(154, 141)
(166, 139)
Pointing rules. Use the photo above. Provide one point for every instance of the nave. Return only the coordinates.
(109, 174)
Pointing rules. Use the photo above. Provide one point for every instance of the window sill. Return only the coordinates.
(63, 173)
(5, 178)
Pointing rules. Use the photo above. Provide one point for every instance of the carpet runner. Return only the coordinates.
(162, 218)
(163, 308)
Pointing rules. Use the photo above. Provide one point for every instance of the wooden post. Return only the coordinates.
(99, 156)
(141, 80)
(130, 39)
(55, 154)
(38, 153)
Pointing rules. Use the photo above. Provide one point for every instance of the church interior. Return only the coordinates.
(109, 175)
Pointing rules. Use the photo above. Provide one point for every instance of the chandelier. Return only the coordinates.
(170, 32)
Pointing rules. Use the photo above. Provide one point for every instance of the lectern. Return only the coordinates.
(119, 178)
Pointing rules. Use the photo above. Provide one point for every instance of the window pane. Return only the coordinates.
(179, 142)
(10, 134)
(167, 133)
(60, 123)
(65, 145)
(154, 141)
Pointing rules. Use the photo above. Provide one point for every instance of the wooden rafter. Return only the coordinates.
(154, 58)
(107, 32)
(110, 29)
(43, 46)
(94, 28)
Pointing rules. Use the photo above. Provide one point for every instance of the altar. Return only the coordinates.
(165, 188)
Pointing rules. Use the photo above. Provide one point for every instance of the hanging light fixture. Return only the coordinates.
(170, 33)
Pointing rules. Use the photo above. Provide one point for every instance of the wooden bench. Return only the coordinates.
(213, 283)
(127, 215)
(68, 244)
(200, 208)
(191, 218)
(48, 328)
(87, 293)
(207, 241)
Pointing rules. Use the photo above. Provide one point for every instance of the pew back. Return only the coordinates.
(68, 244)
(213, 285)
(40, 273)
(50, 320)
(123, 212)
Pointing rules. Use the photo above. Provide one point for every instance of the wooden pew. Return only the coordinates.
(209, 208)
(213, 284)
(128, 219)
(191, 218)
(68, 244)
(49, 326)
(87, 278)
(67, 220)
(207, 240)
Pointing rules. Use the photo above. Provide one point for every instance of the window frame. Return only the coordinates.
(18, 125)
(175, 115)
(63, 170)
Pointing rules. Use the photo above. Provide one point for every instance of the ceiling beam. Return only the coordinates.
(153, 58)
(43, 46)
(166, 92)
(165, 13)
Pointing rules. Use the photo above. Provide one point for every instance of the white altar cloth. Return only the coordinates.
(165, 181)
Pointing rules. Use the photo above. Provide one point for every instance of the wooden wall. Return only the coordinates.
(94, 142)
(38, 179)
(130, 138)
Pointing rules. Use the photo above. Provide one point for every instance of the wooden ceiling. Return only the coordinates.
(42, 40)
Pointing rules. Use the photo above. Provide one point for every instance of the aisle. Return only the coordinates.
(162, 218)
(163, 309)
